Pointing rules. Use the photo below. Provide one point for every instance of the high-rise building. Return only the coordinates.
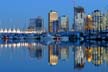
(97, 17)
(79, 19)
(36, 24)
(88, 23)
(106, 19)
(64, 23)
(55, 26)
(32, 24)
(39, 24)
(53, 21)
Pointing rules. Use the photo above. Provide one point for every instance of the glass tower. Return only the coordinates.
(79, 18)
(64, 23)
(52, 21)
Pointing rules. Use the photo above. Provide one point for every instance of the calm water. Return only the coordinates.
(20, 56)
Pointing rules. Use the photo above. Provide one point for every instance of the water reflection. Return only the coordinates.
(82, 53)
(35, 50)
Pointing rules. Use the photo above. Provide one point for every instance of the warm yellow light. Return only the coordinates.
(89, 16)
(53, 60)
(89, 59)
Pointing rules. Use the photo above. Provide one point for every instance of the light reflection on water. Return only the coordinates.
(54, 57)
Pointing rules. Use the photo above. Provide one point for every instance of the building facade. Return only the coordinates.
(88, 23)
(106, 15)
(36, 24)
(64, 23)
(79, 19)
(32, 24)
(39, 24)
(97, 17)
(52, 21)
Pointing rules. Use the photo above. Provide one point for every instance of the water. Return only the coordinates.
(34, 56)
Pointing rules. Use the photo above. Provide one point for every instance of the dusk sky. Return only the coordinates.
(16, 13)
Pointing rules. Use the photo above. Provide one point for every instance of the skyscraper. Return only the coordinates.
(106, 20)
(97, 17)
(79, 19)
(64, 23)
(52, 21)
(36, 24)
(88, 23)
(39, 24)
(32, 24)
(55, 26)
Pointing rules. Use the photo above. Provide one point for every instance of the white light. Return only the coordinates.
(14, 45)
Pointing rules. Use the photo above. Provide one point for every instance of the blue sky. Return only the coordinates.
(16, 13)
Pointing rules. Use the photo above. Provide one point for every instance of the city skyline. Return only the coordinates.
(13, 15)
(54, 35)
(96, 20)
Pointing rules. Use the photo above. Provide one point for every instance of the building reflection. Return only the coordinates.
(106, 54)
(88, 52)
(98, 56)
(36, 51)
(64, 53)
(56, 53)
(53, 51)
(79, 57)
(95, 55)
(82, 54)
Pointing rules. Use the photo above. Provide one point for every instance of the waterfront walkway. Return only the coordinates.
(71, 35)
